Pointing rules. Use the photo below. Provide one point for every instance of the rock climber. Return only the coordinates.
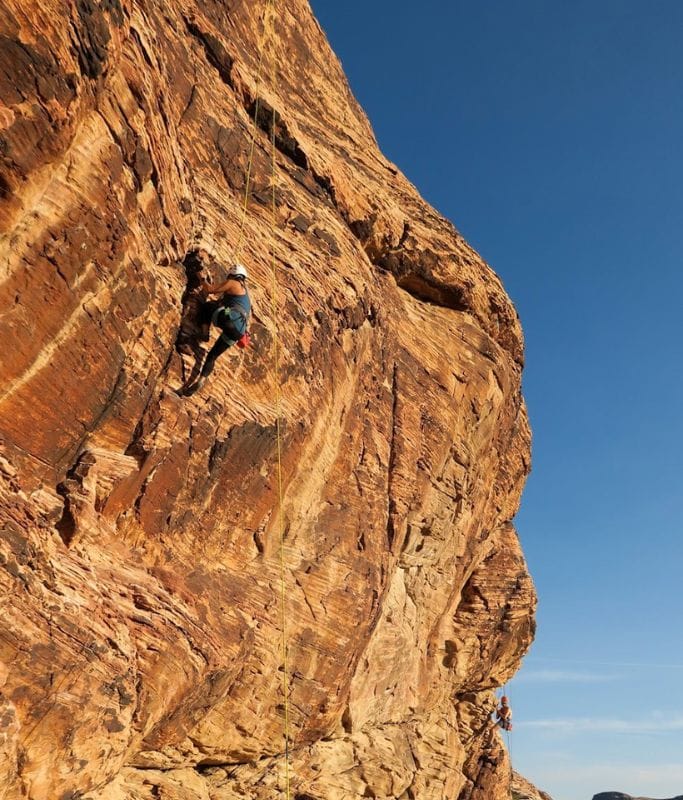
(504, 714)
(230, 313)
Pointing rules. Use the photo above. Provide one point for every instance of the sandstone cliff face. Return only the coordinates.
(139, 550)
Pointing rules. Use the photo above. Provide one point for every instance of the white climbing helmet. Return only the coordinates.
(238, 271)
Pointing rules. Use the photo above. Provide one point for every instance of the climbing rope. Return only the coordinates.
(269, 33)
(252, 145)
(278, 429)
(274, 307)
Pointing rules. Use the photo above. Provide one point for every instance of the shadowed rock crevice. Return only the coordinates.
(413, 270)
(93, 34)
(27, 70)
(417, 270)
(215, 52)
(66, 525)
(190, 331)
(272, 124)
(425, 288)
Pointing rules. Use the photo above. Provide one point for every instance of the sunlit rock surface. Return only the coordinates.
(523, 790)
(141, 642)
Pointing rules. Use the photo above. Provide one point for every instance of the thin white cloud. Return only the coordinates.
(563, 676)
(652, 725)
(635, 664)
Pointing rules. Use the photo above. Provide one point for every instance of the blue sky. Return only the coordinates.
(551, 133)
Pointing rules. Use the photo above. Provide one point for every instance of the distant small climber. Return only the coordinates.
(230, 314)
(504, 714)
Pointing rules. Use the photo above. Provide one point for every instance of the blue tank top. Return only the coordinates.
(232, 300)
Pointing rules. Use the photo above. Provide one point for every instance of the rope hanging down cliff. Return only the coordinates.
(270, 6)
(267, 11)
(269, 33)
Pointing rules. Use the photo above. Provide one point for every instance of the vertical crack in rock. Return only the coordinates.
(271, 123)
(215, 52)
(191, 336)
(94, 36)
(66, 525)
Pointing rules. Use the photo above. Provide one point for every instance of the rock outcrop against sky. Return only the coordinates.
(139, 550)
(523, 790)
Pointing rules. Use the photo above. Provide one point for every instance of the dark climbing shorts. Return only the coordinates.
(223, 320)
(215, 313)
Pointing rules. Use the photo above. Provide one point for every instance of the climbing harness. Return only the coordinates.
(223, 318)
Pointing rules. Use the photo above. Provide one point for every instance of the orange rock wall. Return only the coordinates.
(140, 574)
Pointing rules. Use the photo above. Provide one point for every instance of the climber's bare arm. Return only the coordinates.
(230, 286)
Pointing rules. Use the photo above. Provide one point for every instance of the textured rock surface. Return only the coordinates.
(140, 574)
(523, 790)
